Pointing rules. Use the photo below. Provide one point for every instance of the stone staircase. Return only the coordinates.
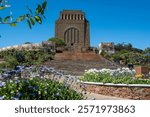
(73, 55)
(75, 63)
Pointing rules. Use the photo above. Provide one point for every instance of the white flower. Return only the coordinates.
(116, 72)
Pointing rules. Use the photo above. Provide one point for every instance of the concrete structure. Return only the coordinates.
(142, 70)
(73, 27)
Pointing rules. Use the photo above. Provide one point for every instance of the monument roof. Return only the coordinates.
(72, 11)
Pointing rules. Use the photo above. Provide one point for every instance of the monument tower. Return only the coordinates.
(73, 27)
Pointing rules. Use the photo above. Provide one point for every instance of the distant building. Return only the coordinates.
(23, 47)
(73, 27)
(48, 44)
(107, 47)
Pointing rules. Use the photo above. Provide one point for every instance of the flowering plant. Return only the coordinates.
(123, 76)
(139, 76)
(36, 89)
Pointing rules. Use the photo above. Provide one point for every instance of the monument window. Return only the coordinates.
(65, 16)
(78, 17)
(71, 35)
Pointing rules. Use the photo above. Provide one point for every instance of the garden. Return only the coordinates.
(45, 83)
(23, 77)
(39, 83)
(121, 82)
(116, 76)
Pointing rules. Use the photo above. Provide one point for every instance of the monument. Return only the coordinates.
(73, 27)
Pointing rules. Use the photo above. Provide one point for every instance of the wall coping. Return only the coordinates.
(116, 85)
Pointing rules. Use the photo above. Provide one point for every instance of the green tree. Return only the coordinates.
(147, 50)
(11, 62)
(58, 41)
(20, 57)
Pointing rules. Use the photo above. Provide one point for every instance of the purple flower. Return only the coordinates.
(57, 94)
(19, 94)
(17, 81)
(35, 88)
(32, 94)
(1, 97)
(2, 84)
(25, 80)
(18, 71)
(5, 75)
(30, 87)
(15, 98)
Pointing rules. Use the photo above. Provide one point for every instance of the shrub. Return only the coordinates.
(36, 89)
(27, 58)
(123, 76)
(58, 41)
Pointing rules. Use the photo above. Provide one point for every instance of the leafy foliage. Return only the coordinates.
(128, 54)
(147, 50)
(27, 58)
(2, 7)
(58, 41)
(37, 89)
(128, 47)
(31, 17)
(116, 79)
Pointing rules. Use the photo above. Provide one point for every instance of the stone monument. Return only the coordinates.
(73, 27)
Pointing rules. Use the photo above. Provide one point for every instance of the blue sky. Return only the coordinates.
(110, 21)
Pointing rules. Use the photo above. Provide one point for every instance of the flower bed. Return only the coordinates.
(36, 89)
(119, 83)
(118, 76)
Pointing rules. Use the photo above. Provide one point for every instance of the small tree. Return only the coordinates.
(147, 50)
(58, 41)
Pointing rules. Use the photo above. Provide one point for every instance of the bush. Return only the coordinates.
(58, 41)
(27, 58)
(124, 76)
(11, 62)
(36, 89)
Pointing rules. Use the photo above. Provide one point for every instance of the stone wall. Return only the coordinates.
(136, 93)
(70, 55)
(142, 70)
